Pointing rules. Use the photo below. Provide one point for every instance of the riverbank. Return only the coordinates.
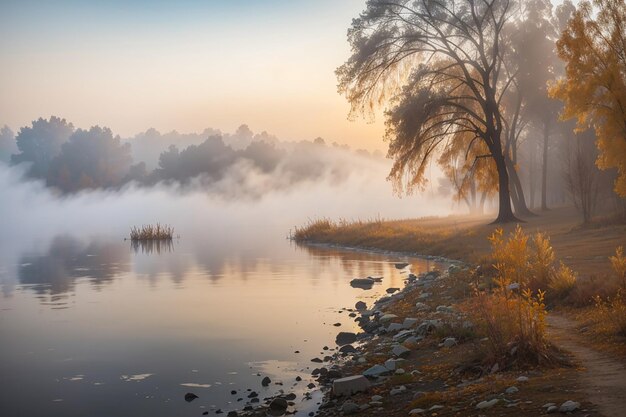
(421, 355)
(428, 355)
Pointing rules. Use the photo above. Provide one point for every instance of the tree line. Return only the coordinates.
(71, 160)
(519, 100)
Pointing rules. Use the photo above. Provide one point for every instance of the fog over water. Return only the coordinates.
(106, 328)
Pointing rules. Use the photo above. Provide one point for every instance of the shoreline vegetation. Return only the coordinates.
(480, 336)
(149, 232)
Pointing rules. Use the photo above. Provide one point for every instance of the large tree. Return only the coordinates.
(40, 143)
(594, 87)
(451, 52)
(91, 158)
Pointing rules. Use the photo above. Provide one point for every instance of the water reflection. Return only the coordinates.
(152, 246)
(54, 273)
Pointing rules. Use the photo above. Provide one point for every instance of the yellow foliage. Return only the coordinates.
(611, 314)
(562, 280)
(594, 88)
(618, 262)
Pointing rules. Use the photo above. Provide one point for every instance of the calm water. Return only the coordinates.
(91, 326)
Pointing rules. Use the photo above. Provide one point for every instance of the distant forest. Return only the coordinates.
(70, 159)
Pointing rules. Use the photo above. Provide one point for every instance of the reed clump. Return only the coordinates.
(151, 232)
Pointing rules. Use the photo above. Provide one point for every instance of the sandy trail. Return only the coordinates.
(603, 378)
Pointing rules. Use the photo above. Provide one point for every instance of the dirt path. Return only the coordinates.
(603, 378)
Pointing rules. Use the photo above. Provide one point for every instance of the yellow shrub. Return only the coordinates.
(612, 314)
(562, 281)
(618, 262)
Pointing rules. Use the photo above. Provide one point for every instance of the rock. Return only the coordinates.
(449, 342)
(377, 398)
(360, 306)
(421, 306)
(390, 364)
(233, 392)
(350, 385)
(387, 317)
(487, 404)
(350, 408)
(392, 290)
(317, 360)
(345, 338)
(547, 405)
(363, 283)
(394, 327)
(400, 351)
(424, 295)
(266, 381)
(337, 324)
(347, 349)
(253, 395)
(522, 379)
(409, 322)
(436, 407)
(334, 374)
(413, 340)
(298, 378)
(190, 396)
(444, 309)
(397, 391)
(232, 414)
(552, 409)
(279, 404)
(401, 265)
(569, 406)
(376, 371)
(290, 397)
(311, 386)
(402, 335)
(511, 390)
(399, 371)
(513, 287)
(417, 411)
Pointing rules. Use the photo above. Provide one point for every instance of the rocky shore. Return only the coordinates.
(415, 355)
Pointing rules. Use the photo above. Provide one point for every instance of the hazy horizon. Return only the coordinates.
(181, 66)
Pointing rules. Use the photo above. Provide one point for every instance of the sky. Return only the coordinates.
(181, 65)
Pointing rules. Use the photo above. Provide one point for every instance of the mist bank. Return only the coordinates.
(238, 165)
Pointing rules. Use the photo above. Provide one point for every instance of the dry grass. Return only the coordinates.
(151, 232)
(583, 249)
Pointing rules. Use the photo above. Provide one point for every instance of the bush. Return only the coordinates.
(513, 315)
(611, 314)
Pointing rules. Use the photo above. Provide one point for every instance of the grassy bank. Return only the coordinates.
(585, 250)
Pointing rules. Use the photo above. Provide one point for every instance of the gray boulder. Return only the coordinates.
(350, 385)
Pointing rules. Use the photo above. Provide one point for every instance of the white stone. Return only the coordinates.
(569, 406)
(487, 404)
(522, 379)
(388, 317)
(511, 390)
(417, 411)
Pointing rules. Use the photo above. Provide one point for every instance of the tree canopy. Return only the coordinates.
(441, 65)
(593, 47)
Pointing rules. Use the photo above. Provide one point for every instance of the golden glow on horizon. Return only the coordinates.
(277, 77)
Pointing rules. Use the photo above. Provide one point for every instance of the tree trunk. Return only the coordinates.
(517, 191)
(505, 211)
(531, 174)
(544, 172)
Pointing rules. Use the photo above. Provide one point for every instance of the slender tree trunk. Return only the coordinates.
(517, 191)
(544, 171)
(505, 211)
(531, 174)
(483, 197)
